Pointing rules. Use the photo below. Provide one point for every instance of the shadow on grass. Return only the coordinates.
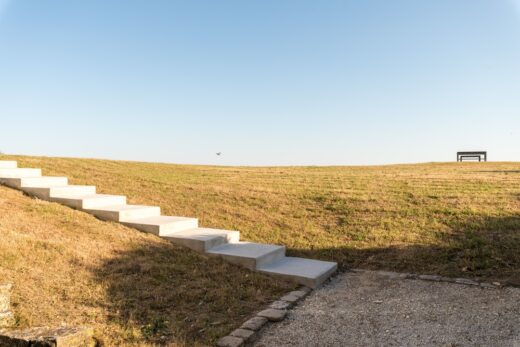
(163, 294)
(486, 248)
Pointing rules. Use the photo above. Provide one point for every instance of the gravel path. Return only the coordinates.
(375, 309)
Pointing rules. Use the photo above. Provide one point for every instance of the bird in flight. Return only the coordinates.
(219, 153)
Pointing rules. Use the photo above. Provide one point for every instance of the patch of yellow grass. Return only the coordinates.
(133, 288)
(455, 219)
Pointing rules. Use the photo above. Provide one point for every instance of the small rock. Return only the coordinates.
(280, 305)
(378, 301)
(272, 314)
(466, 281)
(497, 284)
(230, 341)
(242, 333)
(254, 323)
(430, 278)
(487, 285)
(391, 275)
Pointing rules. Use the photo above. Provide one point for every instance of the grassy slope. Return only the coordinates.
(132, 287)
(451, 219)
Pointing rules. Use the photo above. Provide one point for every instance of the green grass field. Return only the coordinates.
(452, 219)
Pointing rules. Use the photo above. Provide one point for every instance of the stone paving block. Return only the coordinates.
(254, 323)
(272, 314)
(290, 298)
(230, 341)
(242, 333)
(299, 293)
(280, 305)
(49, 337)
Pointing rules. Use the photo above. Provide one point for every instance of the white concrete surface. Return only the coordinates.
(308, 272)
(35, 182)
(203, 239)
(47, 193)
(162, 225)
(91, 201)
(249, 254)
(8, 164)
(20, 172)
(122, 213)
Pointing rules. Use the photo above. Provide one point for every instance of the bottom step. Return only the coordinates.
(249, 254)
(310, 273)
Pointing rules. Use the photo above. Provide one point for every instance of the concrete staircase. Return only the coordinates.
(269, 259)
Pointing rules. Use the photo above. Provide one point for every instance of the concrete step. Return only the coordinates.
(91, 201)
(309, 272)
(20, 172)
(8, 164)
(124, 213)
(203, 239)
(269, 259)
(35, 182)
(47, 193)
(249, 254)
(161, 225)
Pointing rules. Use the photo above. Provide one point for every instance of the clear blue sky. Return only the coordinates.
(264, 82)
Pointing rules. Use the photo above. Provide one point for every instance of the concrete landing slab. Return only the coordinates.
(8, 164)
(162, 225)
(91, 201)
(35, 182)
(123, 213)
(20, 172)
(249, 254)
(203, 239)
(309, 272)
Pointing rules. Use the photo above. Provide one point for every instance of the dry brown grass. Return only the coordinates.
(132, 287)
(449, 219)
(452, 219)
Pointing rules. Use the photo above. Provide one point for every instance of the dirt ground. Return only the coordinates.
(375, 309)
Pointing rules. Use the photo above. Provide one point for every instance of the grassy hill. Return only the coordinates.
(133, 288)
(451, 219)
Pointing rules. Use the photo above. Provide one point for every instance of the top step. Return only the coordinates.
(8, 164)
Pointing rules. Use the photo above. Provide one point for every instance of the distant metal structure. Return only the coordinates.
(480, 155)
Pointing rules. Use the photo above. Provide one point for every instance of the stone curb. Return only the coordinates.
(276, 312)
(434, 278)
